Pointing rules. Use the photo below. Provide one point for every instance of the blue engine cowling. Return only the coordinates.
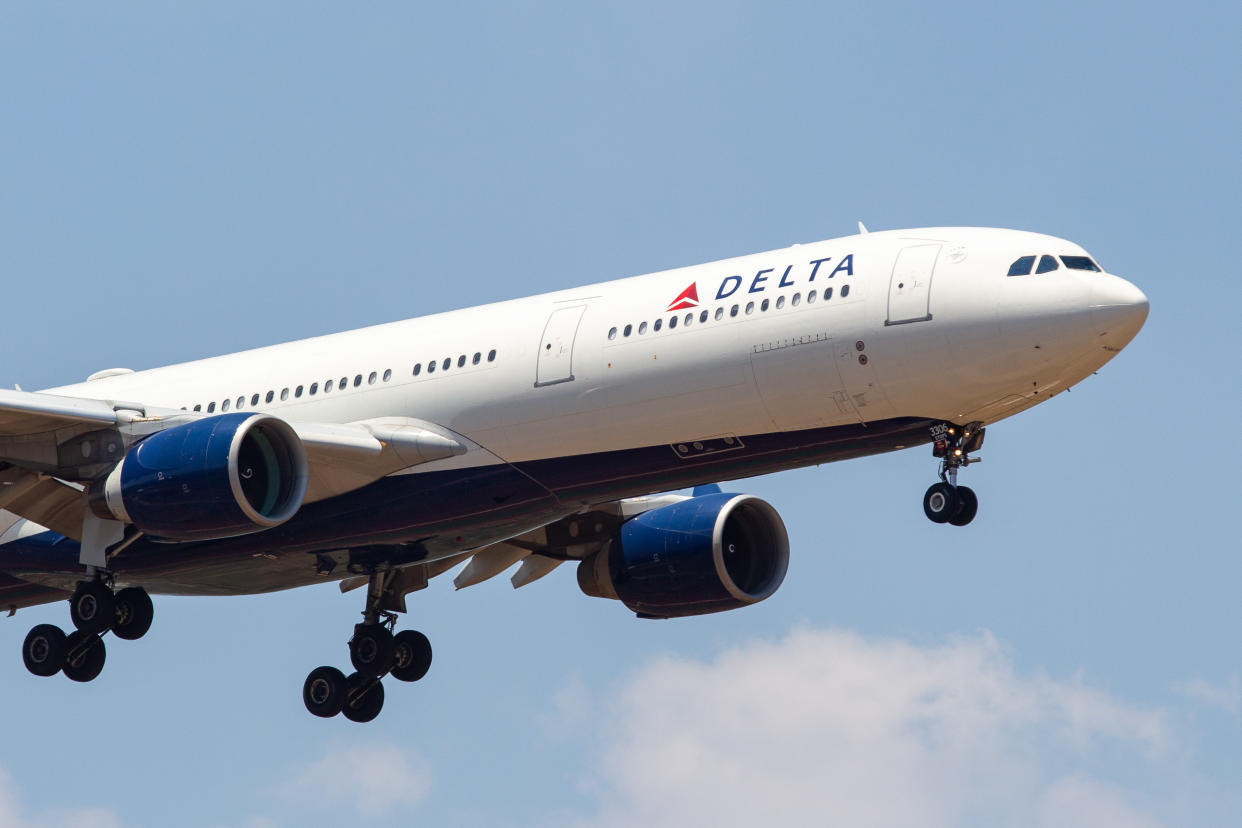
(213, 478)
(705, 554)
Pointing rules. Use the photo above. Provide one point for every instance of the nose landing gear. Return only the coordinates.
(374, 652)
(947, 502)
(94, 610)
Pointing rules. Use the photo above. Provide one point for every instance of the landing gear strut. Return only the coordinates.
(947, 502)
(374, 652)
(94, 610)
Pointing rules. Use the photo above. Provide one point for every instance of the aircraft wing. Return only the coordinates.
(50, 445)
(539, 551)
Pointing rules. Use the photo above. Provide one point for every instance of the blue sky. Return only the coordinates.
(181, 182)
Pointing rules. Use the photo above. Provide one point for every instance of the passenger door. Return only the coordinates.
(909, 289)
(556, 349)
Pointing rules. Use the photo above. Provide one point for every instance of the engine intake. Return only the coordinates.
(706, 554)
(213, 478)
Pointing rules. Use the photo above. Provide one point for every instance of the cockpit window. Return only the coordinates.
(1022, 266)
(1080, 263)
(1046, 264)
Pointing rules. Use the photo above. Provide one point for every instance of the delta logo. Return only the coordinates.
(688, 298)
(791, 276)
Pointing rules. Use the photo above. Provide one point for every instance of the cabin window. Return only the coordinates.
(810, 297)
(642, 327)
(314, 389)
(447, 364)
(478, 356)
(655, 326)
(733, 310)
(387, 374)
(672, 322)
(703, 317)
(780, 302)
(224, 406)
(796, 300)
(284, 394)
(628, 329)
(328, 386)
(297, 392)
(461, 361)
(764, 306)
(827, 293)
(845, 291)
(491, 355)
(198, 407)
(719, 314)
(612, 334)
(271, 395)
(418, 368)
(431, 366)
(750, 308)
(211, 407)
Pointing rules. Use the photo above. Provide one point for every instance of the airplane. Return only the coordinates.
(534, 432)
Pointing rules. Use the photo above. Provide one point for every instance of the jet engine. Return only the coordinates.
(213, 478)
(705, 554)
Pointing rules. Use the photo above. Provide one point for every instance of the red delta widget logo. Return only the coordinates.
(689, 298)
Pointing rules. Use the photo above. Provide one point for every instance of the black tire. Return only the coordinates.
(411, 655)
(134, 613)
(940, 503)
(92, 607)
(967, 507)
(371, 650)
(43, 651)
(323, 692)
(364, 698)
(84, 656)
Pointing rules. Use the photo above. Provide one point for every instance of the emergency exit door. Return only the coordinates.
(556, 349)
(909, 290)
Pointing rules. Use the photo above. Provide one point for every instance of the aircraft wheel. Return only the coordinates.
(940, 503)
(411, 656)
(92, 607)
(371, 650)
(968, 506)
(134, 613)
(323, 693)
(43, 651)
(364, 698)
(84, 656)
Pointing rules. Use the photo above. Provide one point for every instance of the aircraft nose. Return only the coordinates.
(1118, 309)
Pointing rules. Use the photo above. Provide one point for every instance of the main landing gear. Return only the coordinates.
(947, 502)
(94, 609)
(374, 652)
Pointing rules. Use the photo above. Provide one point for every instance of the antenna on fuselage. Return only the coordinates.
(862, 228)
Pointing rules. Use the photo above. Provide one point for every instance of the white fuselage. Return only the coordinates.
(961, 342)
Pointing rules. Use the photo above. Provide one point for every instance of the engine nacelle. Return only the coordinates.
(707, 554)
(213, 478)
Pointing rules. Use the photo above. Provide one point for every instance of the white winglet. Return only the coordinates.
(862, 228)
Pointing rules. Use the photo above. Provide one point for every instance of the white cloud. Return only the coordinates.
(12, 814)
(829, 728)
(1227, 696)
(372, 779)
